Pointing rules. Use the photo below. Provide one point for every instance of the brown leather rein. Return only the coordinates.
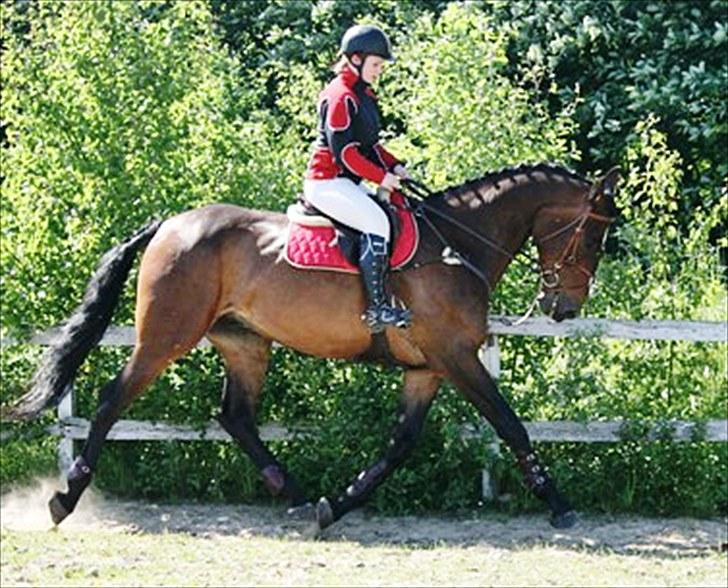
(550, 277)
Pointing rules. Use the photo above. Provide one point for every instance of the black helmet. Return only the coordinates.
(366, 39)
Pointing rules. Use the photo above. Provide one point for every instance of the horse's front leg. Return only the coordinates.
(420, 387)
(473, 381)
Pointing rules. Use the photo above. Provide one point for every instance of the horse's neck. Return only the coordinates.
(505, 219)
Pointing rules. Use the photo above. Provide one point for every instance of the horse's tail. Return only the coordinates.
(83, 330)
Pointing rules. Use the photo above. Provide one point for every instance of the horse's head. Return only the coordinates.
(570, 237)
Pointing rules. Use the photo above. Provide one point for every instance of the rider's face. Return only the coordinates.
(372, 68)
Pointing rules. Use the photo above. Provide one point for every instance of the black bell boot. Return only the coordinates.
(373, 261)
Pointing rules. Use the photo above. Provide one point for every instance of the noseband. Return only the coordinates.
(551, 276)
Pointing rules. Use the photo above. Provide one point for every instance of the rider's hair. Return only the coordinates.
(342, 60)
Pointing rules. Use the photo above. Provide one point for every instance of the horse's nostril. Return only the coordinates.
(546, 302)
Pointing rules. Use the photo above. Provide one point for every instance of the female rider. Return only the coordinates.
(347, 150)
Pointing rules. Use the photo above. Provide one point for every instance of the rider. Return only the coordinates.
(346, 151)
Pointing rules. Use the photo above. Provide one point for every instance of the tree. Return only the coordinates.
(114, 113)
(628, 60)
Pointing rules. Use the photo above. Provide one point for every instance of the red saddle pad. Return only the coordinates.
(312, 247)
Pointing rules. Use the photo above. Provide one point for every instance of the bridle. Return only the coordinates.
(550, 276)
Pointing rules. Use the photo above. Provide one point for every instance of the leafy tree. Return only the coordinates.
(463, 116)
(628, 59)
(273, 34)
(114, 113)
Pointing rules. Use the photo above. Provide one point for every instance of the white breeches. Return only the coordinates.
(348, 203)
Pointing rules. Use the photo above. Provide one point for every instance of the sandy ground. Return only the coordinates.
(25, 509)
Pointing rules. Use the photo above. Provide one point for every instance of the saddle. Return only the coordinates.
(316, 241)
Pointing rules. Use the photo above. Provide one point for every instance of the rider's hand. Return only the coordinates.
(401, 172)
(390, 182)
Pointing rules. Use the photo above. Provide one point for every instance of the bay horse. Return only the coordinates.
(219, 272)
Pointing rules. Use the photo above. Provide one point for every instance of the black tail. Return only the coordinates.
(83, 330)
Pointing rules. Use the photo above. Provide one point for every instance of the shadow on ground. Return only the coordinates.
(26, 508)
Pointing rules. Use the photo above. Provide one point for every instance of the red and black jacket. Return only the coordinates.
(348, 133)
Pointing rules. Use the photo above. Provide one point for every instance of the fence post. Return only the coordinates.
(65, 445)
(489, 355)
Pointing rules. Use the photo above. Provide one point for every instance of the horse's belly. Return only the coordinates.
(317, 314)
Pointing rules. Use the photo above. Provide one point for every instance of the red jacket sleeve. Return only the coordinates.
(352, 158)
(341, 140)
(387, 158)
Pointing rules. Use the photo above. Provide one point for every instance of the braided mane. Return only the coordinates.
(494, 180)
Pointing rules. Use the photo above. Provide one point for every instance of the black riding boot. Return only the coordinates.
(374, 261)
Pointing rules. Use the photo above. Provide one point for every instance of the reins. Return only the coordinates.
(420, 192)
(419, 189)
(550, 277)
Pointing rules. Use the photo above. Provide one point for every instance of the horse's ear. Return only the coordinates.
(606, 185)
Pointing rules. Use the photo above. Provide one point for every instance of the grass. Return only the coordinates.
(113, 558)
(110, 542)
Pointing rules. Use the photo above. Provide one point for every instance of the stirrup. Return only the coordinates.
(377, 318)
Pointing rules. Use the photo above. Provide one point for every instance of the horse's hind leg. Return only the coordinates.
(168, 326)
(246, 356)
(143, 367)
(420, 388)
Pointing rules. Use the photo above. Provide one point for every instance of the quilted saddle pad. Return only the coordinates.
(313, 244)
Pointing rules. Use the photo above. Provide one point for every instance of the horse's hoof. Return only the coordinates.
(324, 513)
(58, 511)
(564, 520)
(302, 512)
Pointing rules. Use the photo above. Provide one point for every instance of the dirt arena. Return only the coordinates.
(113, 542)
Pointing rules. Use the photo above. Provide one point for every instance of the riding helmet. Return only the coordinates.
(366, 39)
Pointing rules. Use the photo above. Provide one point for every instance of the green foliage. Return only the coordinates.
(627, 60)
(114, 113)
(458, 106)
(26, 450)
(272, 35)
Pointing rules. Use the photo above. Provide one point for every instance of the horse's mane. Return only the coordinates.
(495, 180)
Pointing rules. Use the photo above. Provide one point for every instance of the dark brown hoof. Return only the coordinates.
(324, 513)
(564, 521)
(302, 512)
(58, 511)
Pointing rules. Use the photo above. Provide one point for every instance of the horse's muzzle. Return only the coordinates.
(558, 306)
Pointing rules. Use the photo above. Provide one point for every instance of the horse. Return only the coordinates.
(219, 272)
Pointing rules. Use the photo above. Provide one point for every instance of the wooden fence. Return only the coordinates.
(70, 427)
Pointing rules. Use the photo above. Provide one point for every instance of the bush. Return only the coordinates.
(119, 112)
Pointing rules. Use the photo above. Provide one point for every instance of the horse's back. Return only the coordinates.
(200, 225)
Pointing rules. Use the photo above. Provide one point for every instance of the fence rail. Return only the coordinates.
(560, 431)
(71, 427)
(696, 331)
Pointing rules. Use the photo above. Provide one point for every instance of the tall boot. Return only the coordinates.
(374, 262)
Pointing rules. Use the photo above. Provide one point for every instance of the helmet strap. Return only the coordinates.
(357, 68)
